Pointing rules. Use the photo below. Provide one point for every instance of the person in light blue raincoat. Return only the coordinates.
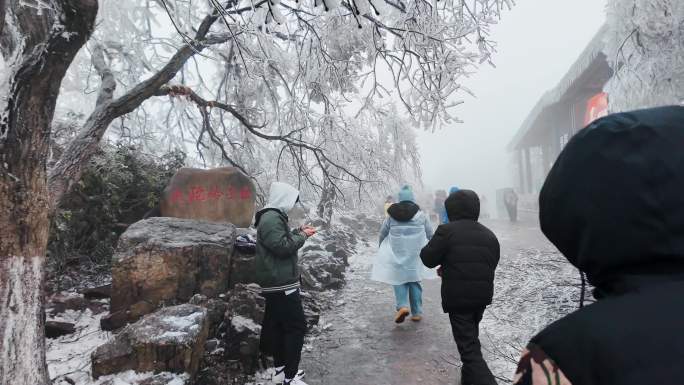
(443, 214)
(403, 234)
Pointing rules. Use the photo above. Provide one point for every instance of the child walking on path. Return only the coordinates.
(403, 234)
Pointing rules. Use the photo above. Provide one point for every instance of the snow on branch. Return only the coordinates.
(289, 140)
(644, 47)
(326, 90)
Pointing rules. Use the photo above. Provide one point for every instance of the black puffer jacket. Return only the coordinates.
(468, 253)
(614, 205)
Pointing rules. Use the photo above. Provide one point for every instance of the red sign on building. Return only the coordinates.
(597, 107)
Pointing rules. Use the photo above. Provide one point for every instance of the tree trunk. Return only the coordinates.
(2, 16)
(328, 196)
(51, 40)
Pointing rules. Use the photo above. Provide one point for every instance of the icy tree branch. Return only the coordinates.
(68, 168)
(108, 85)
(292, 144)
(644, 47)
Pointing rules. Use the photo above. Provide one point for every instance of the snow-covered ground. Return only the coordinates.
(68, 357)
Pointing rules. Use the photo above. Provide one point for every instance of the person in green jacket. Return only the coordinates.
(277, 272)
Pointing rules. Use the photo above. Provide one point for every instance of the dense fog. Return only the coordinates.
(537, 42)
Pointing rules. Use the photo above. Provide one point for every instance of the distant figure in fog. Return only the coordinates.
(468, 254)
(438, 206)
(511, 203)
(403, 234)
(613, 204)
(484, 207)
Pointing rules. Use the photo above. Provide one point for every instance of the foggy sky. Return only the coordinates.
(537, 41)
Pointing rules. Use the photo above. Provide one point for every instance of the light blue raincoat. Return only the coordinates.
(398, 259)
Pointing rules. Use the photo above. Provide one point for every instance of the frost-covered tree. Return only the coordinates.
(645, 46)
(245, 78)
(305, 70)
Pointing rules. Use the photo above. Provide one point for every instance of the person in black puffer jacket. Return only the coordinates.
(468, 253)
(613, 204)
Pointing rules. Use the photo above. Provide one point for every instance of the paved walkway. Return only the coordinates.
(365, 347)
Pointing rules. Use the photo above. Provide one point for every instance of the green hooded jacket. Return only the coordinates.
(276, 250)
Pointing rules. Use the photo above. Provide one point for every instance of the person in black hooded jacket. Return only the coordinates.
(468, 253)
(613, 204)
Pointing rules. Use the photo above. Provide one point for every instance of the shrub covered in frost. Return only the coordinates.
(120, 185)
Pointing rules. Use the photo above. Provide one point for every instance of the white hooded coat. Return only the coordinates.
(282, 197)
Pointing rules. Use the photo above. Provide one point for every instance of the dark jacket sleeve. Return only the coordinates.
(433, 253)
(277, 237)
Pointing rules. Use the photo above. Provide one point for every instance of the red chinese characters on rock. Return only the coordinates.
(203, 194)
(215, 194)
(197, 194)
(245, 193)
(177, 197)
(230, 193)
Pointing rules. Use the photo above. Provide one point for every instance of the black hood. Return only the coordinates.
(403, 211)
(613, 202)
(463, 204)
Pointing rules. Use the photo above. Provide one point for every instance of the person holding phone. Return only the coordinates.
(277, 272)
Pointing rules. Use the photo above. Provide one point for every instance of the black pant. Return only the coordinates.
(283, 329)
(465, 324)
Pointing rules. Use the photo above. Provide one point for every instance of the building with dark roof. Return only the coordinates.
(577, 100)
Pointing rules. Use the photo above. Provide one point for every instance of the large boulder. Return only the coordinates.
(169, 340)
(216, 195)
(165, 261)
(242, 269)
(321, 271)
(61, 302)
(364, 226)
(56, 329)
(338, 241)
(216, 310)
(243, 319)
(312, 310)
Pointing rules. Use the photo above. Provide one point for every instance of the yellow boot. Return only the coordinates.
(401, 315)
